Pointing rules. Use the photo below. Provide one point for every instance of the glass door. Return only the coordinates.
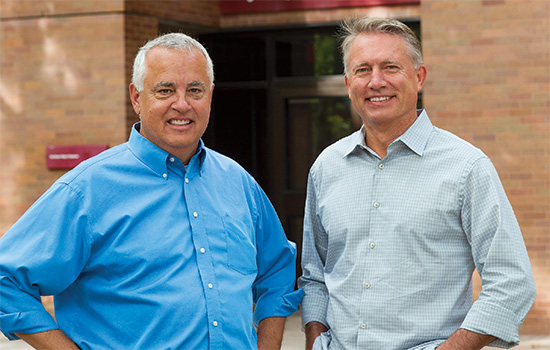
(308, 117)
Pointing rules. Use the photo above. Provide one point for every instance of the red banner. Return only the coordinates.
(67, 157)
(248, 6)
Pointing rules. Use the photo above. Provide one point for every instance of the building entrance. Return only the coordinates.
(308, 116)
(279, 100)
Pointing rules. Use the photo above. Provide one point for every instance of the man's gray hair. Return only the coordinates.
(350, 29)
(176, 41)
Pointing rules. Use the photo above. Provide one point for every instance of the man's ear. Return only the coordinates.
(421, 73)
(346, 81)
(134, 97)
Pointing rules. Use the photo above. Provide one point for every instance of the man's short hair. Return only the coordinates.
(350, 29)
(176, 41)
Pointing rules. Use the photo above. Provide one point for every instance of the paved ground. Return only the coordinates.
(294, 339)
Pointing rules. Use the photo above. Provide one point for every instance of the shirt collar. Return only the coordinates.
(416, 137)
(155, 157)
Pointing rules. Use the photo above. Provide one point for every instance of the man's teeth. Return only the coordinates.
(179, 122)
(378, 99)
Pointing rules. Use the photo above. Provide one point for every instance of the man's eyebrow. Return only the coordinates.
(164, 84)
(396, 62)
(196, 83)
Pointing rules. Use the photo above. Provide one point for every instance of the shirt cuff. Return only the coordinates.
(314, 307)
(281, 306)
(26, 322)
(488, 318)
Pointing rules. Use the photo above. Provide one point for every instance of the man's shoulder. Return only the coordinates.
(453, 145)
(222, 162)
(339, 149)
(92, 166)
(333, 159)
(217, 163)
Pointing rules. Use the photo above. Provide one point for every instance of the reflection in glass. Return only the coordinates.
(313, 124)
(307, 54)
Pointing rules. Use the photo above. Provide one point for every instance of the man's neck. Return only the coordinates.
(379, 137)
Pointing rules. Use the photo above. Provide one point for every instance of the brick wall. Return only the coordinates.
(137, 31)
(62, 82)
(489, 82)
(201, 13)
(19, 9)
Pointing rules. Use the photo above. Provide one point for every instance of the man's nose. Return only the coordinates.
(377, 79)
(180, 104)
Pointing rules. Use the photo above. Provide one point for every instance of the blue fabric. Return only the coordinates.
(390, 244)
(142, 253)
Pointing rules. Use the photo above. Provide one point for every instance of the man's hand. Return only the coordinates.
(270, 333)
(313, 330)
(49, 340)
(463, 339)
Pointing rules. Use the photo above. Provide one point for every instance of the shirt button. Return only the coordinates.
(364, 326)
(376, 205)
(195, 214)
(202, 250)
(215, 323)
(381, 166)
(372, 245)
(210, 285)
(165, 175)
(186, 180)
(172, 159)
(367, 285)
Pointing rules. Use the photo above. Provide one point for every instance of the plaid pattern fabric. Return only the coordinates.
(390, 244)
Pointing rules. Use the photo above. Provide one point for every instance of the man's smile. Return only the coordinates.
(179, 122)
(379, 98)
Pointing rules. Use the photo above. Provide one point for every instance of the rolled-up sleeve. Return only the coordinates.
(273, 289)
(314, 249)
(500, 255)
(40, 255)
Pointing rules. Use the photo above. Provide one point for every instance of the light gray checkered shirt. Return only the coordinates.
(390, 244)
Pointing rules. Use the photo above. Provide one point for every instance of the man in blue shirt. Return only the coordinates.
(400, 213)
(158, 243)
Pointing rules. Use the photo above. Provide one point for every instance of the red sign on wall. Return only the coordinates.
(243, 6)
(67, 157)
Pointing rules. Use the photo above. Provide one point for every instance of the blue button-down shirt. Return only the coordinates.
(144, 253)
(390, 244)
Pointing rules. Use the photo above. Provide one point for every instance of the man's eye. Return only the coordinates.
(195, 92)
(164, 91)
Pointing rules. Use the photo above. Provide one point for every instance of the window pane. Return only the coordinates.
(312, 125)
(308, 54)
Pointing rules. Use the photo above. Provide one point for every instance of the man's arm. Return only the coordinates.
(313, 330)
(500, 257)
(464, 339)
(270, 333)
(49, 340)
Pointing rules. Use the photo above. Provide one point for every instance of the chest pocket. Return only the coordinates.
(241, 246)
